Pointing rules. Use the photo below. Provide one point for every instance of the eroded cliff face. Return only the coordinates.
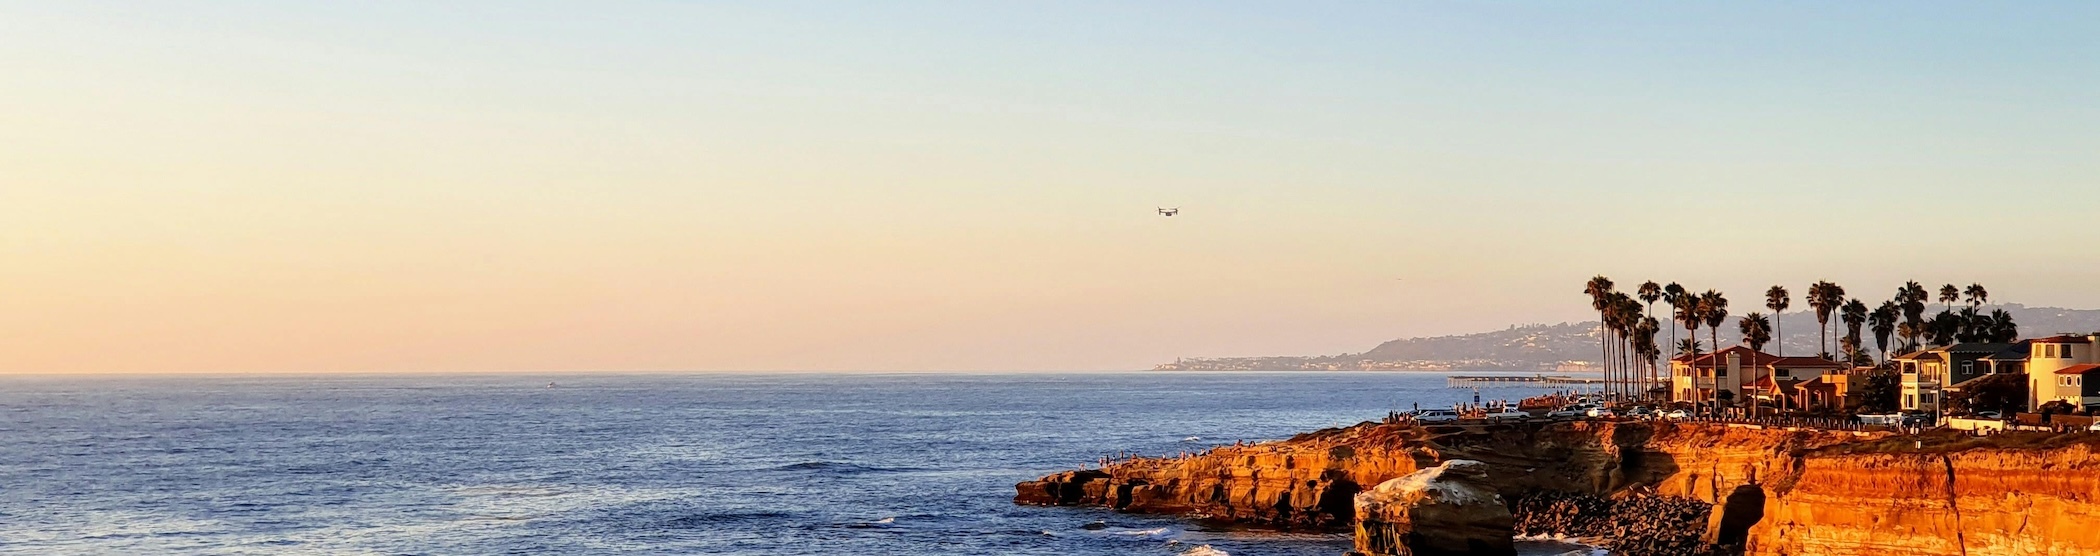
(1774, 492)
(2007, 499)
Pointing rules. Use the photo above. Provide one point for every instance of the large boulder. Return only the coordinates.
(1447, 510)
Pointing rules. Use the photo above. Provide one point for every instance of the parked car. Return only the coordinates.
(1570, 411)
(1641, 413)
(1677, 415)
(1601, 413)
(1436, 415)
(1989, 415)
(1888, 420)
(2095, 427)
(1508, 415)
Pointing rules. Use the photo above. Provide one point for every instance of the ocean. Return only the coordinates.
(719, 464)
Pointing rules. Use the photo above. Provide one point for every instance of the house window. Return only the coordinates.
(2064, 352)
(1924, 397)
(1784, 373)
(1968, 367)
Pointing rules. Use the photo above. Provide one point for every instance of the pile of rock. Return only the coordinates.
(1634, 525)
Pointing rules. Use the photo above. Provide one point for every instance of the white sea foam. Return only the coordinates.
(1205, 550)
(886, 520)
(1581, 548)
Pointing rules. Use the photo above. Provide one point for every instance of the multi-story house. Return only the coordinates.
(1738, 370)
(2049, 358)
(1928, 373)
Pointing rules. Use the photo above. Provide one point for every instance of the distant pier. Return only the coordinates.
(1466, 381)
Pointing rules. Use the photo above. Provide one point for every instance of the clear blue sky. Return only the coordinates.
(283, 186)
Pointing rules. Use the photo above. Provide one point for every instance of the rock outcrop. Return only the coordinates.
(1308, 482)
(1070, 488)
(1773, 492)
(1447, 510)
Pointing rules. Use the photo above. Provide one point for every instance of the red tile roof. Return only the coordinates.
(2078, 369)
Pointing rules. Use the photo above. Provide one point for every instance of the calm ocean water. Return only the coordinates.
(736, 464)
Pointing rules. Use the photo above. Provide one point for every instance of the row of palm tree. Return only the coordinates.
(1903, 318)
(1627, 332)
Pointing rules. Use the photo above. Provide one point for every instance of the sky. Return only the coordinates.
(233, 187)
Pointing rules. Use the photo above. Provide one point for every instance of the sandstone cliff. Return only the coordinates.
(2011, 495)
(1776, 492)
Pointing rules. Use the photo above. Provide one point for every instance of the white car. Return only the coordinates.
(1600, 412)
(1508, 414)
(1677, 415)
(1436, 415)
(1571, 411)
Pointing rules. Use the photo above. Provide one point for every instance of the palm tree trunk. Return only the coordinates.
(1626, 368)
(1611, 367)
(1715, 332)
(1605, 337)
(1618, 367)
(1603, 353)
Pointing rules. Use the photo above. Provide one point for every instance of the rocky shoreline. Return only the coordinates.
(1645, 488)
(1637, 524)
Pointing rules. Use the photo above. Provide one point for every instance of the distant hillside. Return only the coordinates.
(1545, 346)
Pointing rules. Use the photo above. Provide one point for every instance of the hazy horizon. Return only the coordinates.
(546, 187)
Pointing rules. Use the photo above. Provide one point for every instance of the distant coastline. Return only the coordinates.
(1307, 364)
(1560, 348)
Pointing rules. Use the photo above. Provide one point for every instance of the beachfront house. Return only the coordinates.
(1837, 391)
(2078, 385)
(2047, 357)
(1929, 373)
(1742, 371)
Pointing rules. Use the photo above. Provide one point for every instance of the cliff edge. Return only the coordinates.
(1730, 488)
